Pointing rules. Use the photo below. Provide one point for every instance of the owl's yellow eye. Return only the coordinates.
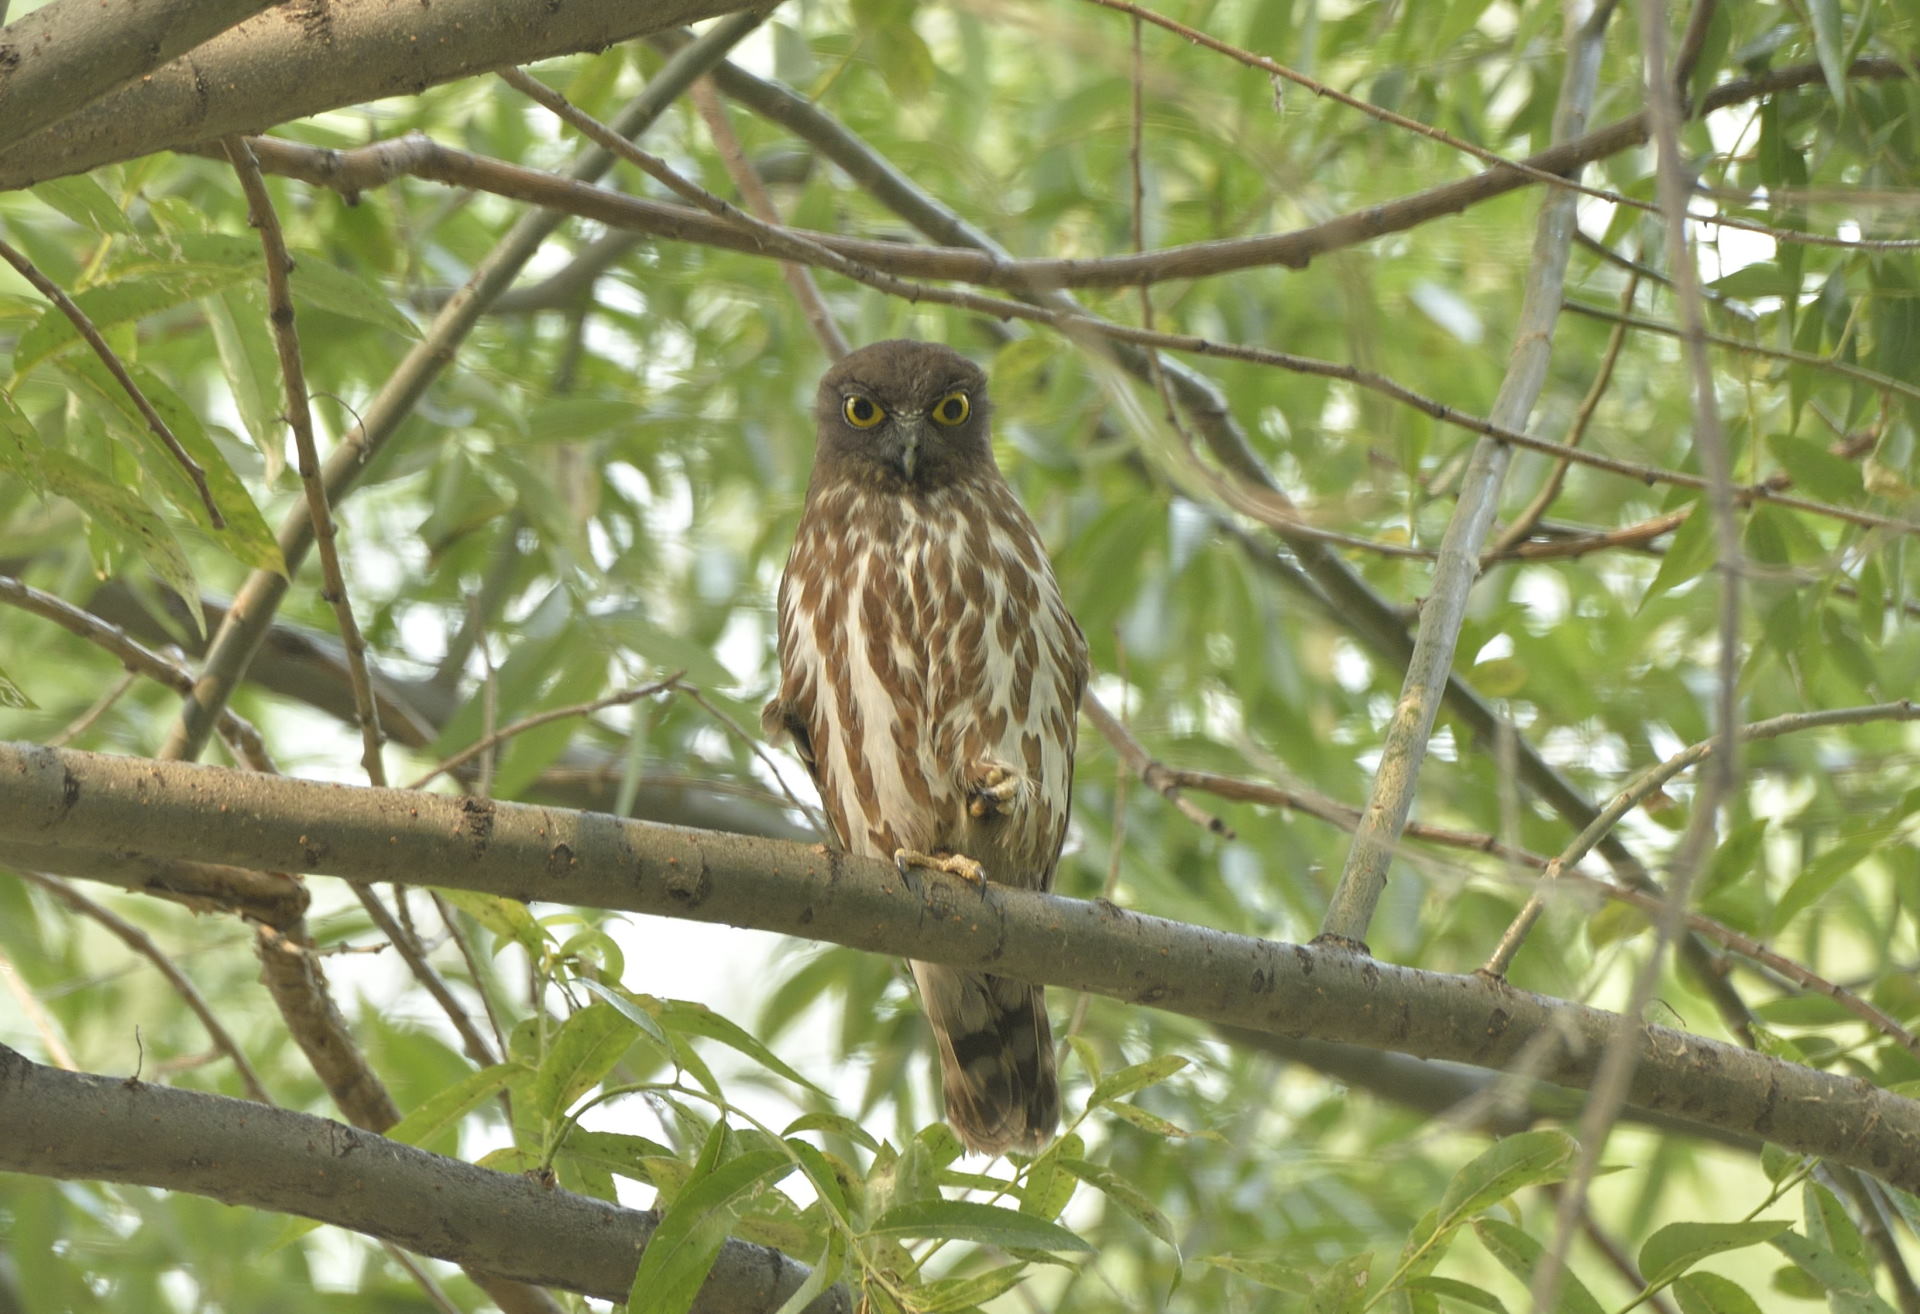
(862, 412)
(952, 408)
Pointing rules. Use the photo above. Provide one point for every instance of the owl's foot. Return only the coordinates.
(957, 863)
(994, 789)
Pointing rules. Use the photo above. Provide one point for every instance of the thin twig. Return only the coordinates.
(1608, 1094)
(1152, 774)
(253, 608)
(759, 752)
(1872, 378)
(1481, 153)
(494, 738)
(299, 416)
(130, 653)
(427, 159)
(142, 943)
(84, 326)
(1522, 525)
(727, 145)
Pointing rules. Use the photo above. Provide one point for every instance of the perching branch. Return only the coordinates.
(156, 809)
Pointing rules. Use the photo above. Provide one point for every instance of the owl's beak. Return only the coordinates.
(913, 429)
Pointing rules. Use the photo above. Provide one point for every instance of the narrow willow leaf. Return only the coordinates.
(1137, 1077)
(587, 1046)
(1460, 1293)
(699, 1020)
(692, 1230)
(1125, 1194)
(964, 1293)
(629, 1008)
(1679, 1246)
(1519, 1254)
(1528, 1159)
(1267, 1272)
(968, 1220)
(1848, 1291)
(441, 1111)
(1709, 1293)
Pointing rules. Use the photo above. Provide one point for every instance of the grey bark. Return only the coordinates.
(80, 1126)
(55, 798)
(71, 52)
(305, 57)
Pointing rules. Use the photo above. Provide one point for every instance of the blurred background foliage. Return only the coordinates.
(601, 489)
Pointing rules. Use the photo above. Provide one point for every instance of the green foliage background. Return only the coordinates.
(608, 484)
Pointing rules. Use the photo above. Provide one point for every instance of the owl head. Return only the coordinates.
(903, 414)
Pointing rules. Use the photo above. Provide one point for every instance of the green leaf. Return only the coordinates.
(1689, 553)
(1528, 1159)
(246, 537)
(1830, 46)
(86, 202)
(1343, 1288)
(585, 1049)
(826, 1271)
(839, 1124)
(1677, 1247)
(508, 920)
(968, 1220)
(828, 1174)
(630, 1008)
(622, 1153)
(1046, 1188)
(1137, 1077)
(442, 1111)
(1520, 1254)
(967, 1292)
(1709, 1293)
(1828, 1224)
(692, 1230)
(13, 696)
(122, 302)
(1458, 1292)
(1848, 1292)
(1125, 1194)
(125, 517)
(252, 369)
(324, 286)
(699, 1020)
(1272, 1273)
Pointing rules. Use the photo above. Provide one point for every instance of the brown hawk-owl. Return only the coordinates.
(930, 678)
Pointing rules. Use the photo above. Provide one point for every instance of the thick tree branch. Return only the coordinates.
(302, 59)
(71, 52)
(80, 1126)
(160, 809)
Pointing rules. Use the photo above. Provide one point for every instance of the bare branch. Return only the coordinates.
(73, 1126)
(1405, 743)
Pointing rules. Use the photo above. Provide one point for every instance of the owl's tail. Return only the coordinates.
(996, 1057)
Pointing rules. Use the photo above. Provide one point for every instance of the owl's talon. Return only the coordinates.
(994, 789)
(957, 864)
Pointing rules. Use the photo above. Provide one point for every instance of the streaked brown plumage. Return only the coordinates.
(930, 678)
